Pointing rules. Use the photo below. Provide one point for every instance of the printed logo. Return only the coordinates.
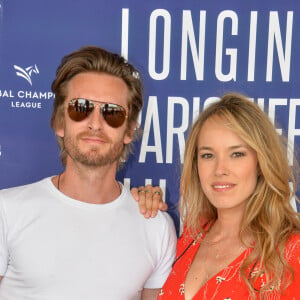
(27, 72)
(26, 98)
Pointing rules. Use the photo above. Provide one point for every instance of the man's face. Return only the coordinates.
(92, 141)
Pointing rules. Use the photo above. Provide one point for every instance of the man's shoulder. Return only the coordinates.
(20, 192)
(163, 217)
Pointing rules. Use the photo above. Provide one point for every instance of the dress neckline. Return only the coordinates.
(220, 274)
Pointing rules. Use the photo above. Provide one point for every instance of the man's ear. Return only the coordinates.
(128, 137)
(59, 127)
(60, 132)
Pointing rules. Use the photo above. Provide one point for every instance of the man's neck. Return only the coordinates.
(91, 185)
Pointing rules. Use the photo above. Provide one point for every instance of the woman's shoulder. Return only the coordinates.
(292, 254)
(294, 241)
(187, 236)
(292, 251)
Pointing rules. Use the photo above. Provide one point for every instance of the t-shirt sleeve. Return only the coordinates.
(166, 248)
(3, 240)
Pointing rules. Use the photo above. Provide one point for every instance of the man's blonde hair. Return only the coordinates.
(95, 59)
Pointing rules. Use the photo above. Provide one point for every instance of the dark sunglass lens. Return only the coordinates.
(79, 109)
(113, 114)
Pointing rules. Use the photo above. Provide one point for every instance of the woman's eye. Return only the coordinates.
(206, 155)
(238, 154)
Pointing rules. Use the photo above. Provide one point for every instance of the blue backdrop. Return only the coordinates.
(189, 53)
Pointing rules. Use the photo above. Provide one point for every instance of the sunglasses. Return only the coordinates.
(113, 114)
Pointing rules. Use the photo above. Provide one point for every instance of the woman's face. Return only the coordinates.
(227, 166)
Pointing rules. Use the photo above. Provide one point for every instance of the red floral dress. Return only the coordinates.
(227, 284)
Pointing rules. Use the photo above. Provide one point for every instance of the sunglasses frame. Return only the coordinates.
(95, 103)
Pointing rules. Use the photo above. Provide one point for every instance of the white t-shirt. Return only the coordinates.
(53, 247)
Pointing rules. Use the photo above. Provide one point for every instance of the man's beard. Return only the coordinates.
(94, 157)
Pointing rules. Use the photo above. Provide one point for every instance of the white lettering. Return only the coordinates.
(252, 45)
(275, 36)
(21, 104)
(196, 108)
(194, 41)
(273, 102)
(151, 119)
(6, 94)
(189, 35)
(35, 95)
(231, 52)
(261, 103)
(125, 30)
(166, 44)
(20, 94)
(292, 130)
(180, 130)
(210, 101)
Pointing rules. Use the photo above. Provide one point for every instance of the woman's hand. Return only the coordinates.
(149, 199)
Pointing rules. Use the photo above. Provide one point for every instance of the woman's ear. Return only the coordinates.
(258, 171)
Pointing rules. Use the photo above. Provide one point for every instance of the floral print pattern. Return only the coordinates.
(227, 284)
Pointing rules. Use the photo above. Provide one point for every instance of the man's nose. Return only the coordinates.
(95, 119)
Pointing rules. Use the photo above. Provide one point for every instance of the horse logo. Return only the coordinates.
(27, 72)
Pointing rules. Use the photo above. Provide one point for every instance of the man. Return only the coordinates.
(79, 235)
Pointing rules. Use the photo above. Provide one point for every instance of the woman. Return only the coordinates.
(241, 237)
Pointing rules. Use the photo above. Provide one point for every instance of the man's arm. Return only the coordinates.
(150, 294)
(167, 251)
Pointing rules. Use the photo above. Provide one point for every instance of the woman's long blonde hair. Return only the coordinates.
(269, 216)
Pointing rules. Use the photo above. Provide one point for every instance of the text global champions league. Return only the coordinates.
(26, 98)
